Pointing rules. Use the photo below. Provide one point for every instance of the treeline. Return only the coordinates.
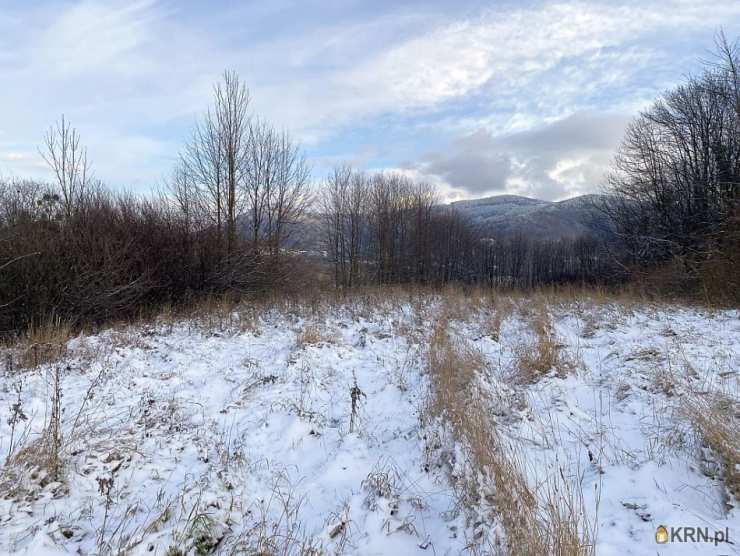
(385, 228)
(75, 251)
(674, 195)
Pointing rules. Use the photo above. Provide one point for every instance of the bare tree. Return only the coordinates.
(184, 192)
(214, 159)
(276, 189)
(385, 228)
(355, 222)
(677, 173)
(341, 221)
(289, 193)
(67, 158)
(233, 119)
(260, 166)
(238, 169)
(199, 180)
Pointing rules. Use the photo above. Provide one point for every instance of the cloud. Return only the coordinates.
(93, 37)
(579, 131)
(553, 161)
(539, 60)
(397, 79)
(474, 165)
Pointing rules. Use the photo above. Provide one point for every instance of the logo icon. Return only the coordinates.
(661, 535)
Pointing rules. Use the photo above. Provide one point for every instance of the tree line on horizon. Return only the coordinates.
(73, 249)
(384, 228)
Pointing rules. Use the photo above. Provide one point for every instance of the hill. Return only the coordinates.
(504, 216)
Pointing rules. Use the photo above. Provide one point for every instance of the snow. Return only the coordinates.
(228, 436)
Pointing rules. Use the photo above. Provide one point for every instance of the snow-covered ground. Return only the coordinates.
(240, 436)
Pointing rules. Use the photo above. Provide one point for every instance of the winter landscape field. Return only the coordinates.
(373, 278)
(386, 422)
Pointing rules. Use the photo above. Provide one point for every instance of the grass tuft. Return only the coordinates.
(543, 356)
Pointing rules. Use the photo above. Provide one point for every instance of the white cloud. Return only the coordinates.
(507, 55)
(557, 160)
(447, 63)
(94, 36)
(14, 156)
(133, 76)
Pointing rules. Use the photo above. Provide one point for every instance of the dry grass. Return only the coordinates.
(41, 460)
(216, 313)
(453, 369)
(543, 356)
(51, 331)
(713, 413)
(500, 309)
(41, 344)
(282, 535)
(531, 526)
(460, 303)
(665, 381)
(311, 334)
(496, 479)
(494, 325)
(716, 420)
(568, 531)
(590, 325)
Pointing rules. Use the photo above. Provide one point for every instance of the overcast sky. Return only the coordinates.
(478, 98)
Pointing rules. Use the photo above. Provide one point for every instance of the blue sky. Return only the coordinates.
(476, 98)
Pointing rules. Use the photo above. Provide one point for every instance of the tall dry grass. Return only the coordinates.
(42, 343)
(553, 523)
(544, 355)
(711, 409)
(716, 419)
(500, 308)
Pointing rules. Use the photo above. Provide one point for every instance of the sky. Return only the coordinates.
(476, 98)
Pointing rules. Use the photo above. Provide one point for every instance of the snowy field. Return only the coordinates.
(309, 429)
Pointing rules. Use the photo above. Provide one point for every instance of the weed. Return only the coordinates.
(53, 430)
(17, 415)
(355, 395)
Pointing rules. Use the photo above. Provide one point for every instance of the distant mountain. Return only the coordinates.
(505, 216)
(499, 217)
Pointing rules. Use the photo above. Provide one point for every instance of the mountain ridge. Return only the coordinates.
(498, 217)
(506, 216)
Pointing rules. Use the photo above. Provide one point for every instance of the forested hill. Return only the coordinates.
(505, 216)
(501, 217)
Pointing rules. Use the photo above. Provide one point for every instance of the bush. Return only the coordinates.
(108, 259)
